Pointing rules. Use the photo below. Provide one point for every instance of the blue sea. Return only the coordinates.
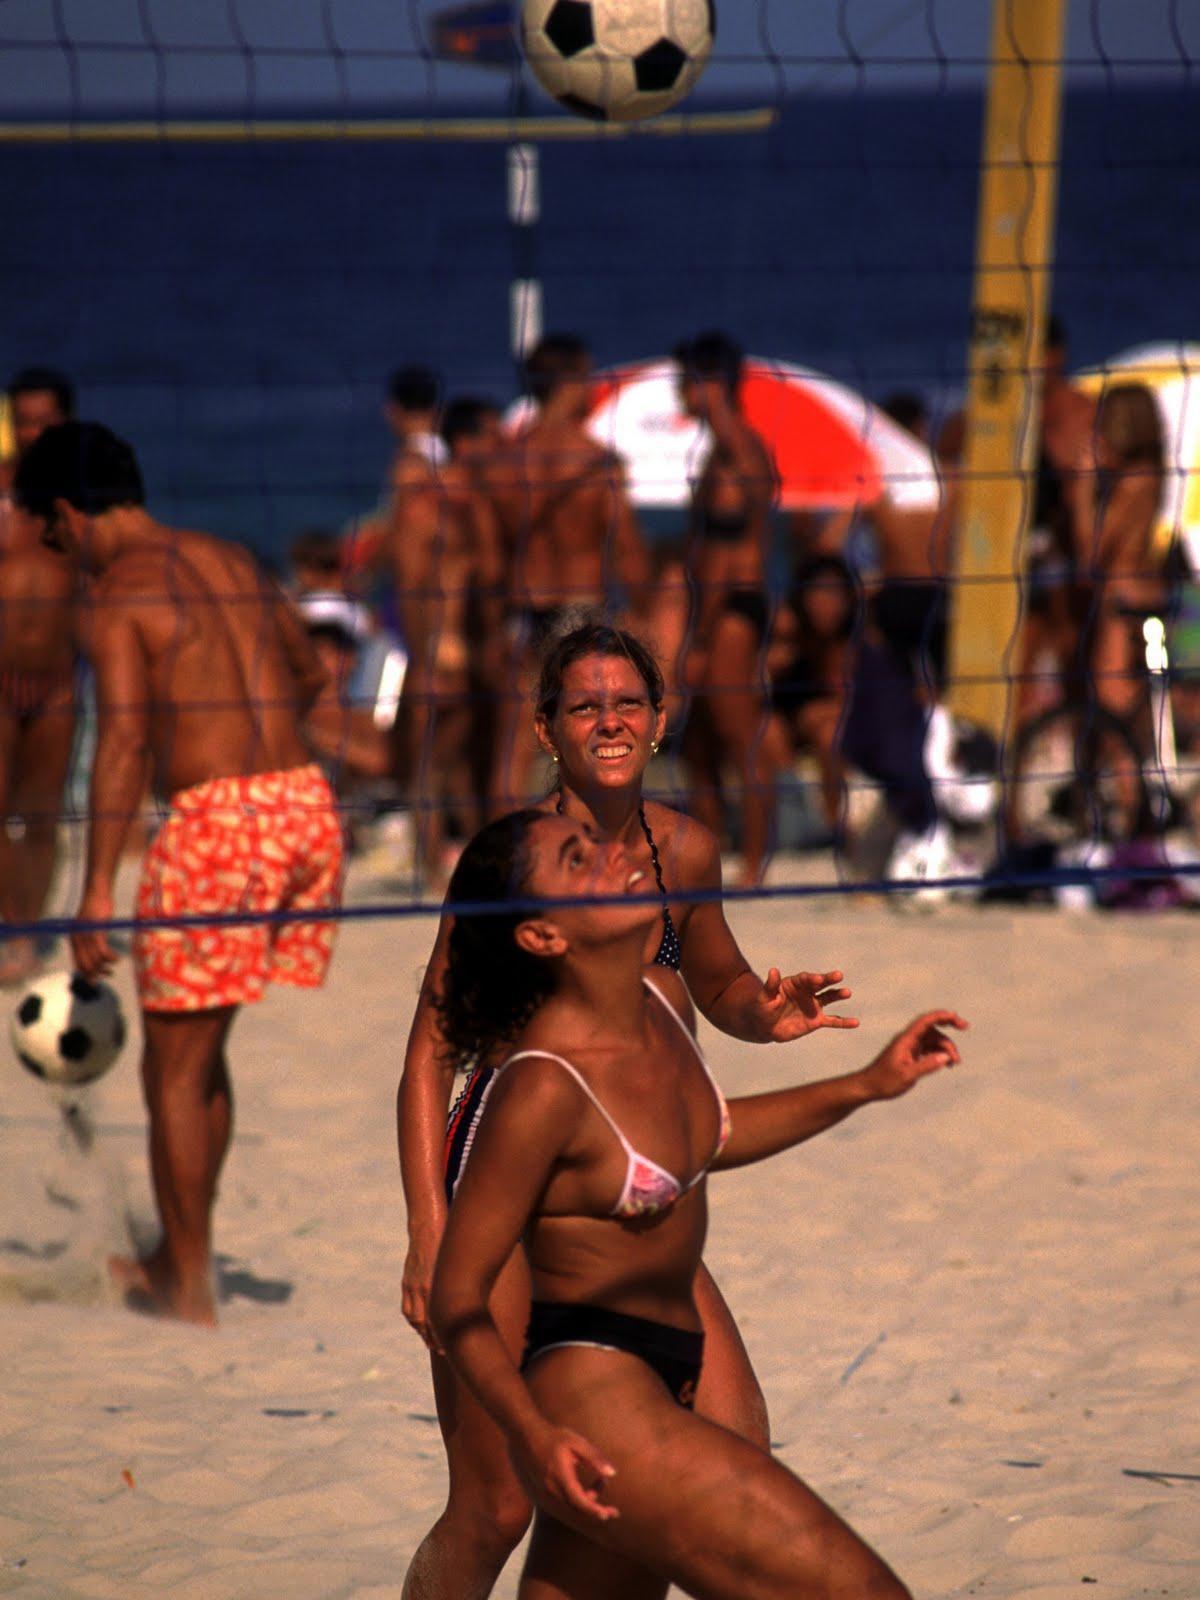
(234, 310)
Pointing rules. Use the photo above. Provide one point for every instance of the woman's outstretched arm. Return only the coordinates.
(765, 1124)
(726, 989)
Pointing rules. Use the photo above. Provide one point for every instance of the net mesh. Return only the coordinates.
(232, 230)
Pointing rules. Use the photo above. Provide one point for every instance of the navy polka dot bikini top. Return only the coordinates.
(670, 952)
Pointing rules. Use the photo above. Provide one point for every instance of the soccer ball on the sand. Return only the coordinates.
(67, 1030)
(618, 60)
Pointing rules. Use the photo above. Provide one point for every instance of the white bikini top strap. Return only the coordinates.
(548, 1055)
(683, 1027)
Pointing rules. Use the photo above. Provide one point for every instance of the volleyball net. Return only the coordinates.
(957, 256)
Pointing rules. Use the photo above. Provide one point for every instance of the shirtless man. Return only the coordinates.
(444, 553)
(570, 538)
(37, 681)
(730, 534)
(412, 414)
(474, 431)
(203, 675)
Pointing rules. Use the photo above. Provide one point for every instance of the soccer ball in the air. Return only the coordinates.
(67, 1029)
(618, 60)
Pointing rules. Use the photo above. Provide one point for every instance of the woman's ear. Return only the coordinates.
(538, 936)
(543, 736)
(660, 726)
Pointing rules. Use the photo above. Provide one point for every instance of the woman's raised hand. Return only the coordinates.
(789, 1008)
(914, 1053)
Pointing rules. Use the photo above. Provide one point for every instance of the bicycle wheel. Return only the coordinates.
(1076, 775)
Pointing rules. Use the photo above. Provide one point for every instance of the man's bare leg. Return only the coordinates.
(16, 955)
(189, 1099)
(40, 761)
(739, 718)
(702, 760)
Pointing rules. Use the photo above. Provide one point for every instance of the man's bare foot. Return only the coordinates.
(197, 1307)
(18, 961)
(144, 1283)
(146, 1286)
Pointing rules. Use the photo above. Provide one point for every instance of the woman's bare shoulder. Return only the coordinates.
(688, 850)
(533, 1070)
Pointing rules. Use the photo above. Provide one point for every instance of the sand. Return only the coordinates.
(974, 1312)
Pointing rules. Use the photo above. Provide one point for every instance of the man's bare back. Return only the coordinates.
(190, 629)
(432, 552)
(565, 518)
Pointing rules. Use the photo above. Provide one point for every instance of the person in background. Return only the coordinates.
(204, 675)
(443, 549)
(1114, 498)
(474, 432)
(412, 411)
(732, 505)
(411, 408)
(343, 731)
(810, 663)
(570, 538)
(896, 723)
(38, 691)
(1054, 601)
(315, 559)
(911, 411)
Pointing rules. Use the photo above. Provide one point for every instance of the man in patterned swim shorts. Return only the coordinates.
(204, 674)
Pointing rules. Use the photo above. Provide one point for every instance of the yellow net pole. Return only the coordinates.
(1013, 270)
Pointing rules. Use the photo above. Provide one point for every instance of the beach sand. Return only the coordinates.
(974, 1311)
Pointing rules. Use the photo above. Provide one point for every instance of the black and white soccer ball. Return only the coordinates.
(67, 1030)
(618, 60)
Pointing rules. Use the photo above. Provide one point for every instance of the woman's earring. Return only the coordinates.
(654, 747)
(554, 757)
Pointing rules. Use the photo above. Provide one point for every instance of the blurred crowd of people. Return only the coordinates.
(813, 639)
(807, 642)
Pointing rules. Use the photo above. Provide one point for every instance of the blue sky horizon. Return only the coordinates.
(264, 58)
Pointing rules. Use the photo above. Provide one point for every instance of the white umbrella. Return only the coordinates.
(832, 447)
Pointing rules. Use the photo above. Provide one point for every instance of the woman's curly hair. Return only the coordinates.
(491, 987)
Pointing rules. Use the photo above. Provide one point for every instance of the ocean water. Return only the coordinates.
(234, 310)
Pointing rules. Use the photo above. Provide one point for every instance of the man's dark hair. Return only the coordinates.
(414, 389)
(317, 548)
(83, 463)
(44, 380)
(908, 409)
(465, 416)
(552, 362)
(711, 355)
(1056, 332)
